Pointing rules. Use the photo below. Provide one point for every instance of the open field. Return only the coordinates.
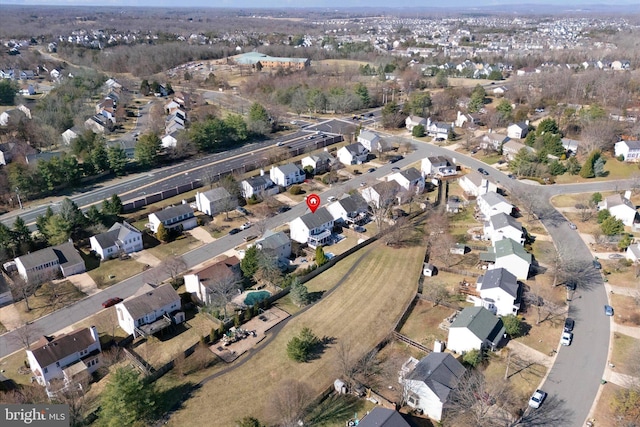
(523, 377)
(362, 311)
(181, 245)
(545, 336)
(615, 169)
(619, 273)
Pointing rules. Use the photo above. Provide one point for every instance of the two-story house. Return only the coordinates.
(149, 311)
(315, 229)
(493, 141)
(511, 148)
(259, 186)
(382, 194)
(370, 140)
(438, 130)
(475, 328)
(320, 162)
(122, 238)
(57, 362)
(620, 207)
(518, 130)
(475, 184)
(412, 121)
(499, 292)
(510, 255)
(438, 166)
(286, 175)
(409, 179)
(49, 263)
(352, 154)
(492, 203)
(277, 244)
(349, 210)
(204, 282)
(214, 201)
(501, 226)
(173, 217)
(629, 150)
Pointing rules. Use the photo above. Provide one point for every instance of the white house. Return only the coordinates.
(438, 130)
(499, 292)
(259, 185)
(68, 136)
(203, 282)
(49, 263)
(633, 252)
(57, 362)
(493, 140)
(409, 179)
(170, 140)
(413, 121)
(629, 150)
(475, 328)
(320, 162)
(286, 175)
(173, 217)
(492, 203)
(500, 90)
(511, 148)
(430, 381)
(382, 193)
(471, 119)
(122, 238)
(312, 228)
(438, 166)
(277, 244)
(370, 140)
(383, 417)
(349, 210)
(620, 207)
(149, 310)
(518, 130)
(352, 154)
(511, 256)
(214, 201)
(475, 184)
(502, 226)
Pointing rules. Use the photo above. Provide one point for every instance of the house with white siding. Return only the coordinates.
(259, 186)
(518, 130)
(511, 256)
(173, 217)
(313, 228)
(629, 150)
(438, 166)
(501, 226)
(492, 203)
(352, 154)
(149, 311)
(620, 207)
(214, 201)
(475, 328)
(475, 184)
(277, 244)
(370, 140)
(409, 179)
(286, 175)
(202, 283)
(49, 263)
(121, 238)
(499, 292)
(413, 121)
(320, 162)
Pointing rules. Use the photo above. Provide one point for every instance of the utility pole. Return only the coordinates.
(18, 195)
(506, 372)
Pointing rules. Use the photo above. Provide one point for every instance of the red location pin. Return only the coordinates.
(313, 201)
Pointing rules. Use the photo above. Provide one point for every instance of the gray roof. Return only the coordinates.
(317, 219)
(258, 181)
(37, 258)
(117, 232)
(353, 203)
(499, 278)
(387, 188)
(67, 255)
(44, 156)
(411, 174)
(475, 178)
(322, 157)
(492, 198)
(441, 372)
(502, 220)
(383, 417)
(272, 240)
(289, 169)
(436, 160)
(504, 248)
(368, 135)
(150, 301)
(355, 149)
(481, 322)
(617, 200)
(218, 193)
(48, 350)
(173, 212)
(634, 145)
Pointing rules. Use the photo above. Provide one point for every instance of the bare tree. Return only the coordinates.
(173, 266)
(223, 288)
(435, 291)
(23, 288)
(597, 135)
(441, 249)
(347, 361)
(383, 196)
(26, 334)
(74, 396)
(288, 402)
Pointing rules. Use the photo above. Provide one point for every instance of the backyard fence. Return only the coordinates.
(405, 339)
(459, 271)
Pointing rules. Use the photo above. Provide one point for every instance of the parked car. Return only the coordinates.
(596, 264)
(395, 159)
(283, 209)
(572, 226)
(566, 339)
(359, 228)
(569, 323)
(483, 171)
(439, 139)
(332, 198)
(279, 144)
(608, 310)
(371, 170)
(245, 226)
(512, 176)
(234, 231)
(537, 398)
(242, 210)
(395, 169)
(370, 114)
(111, 301)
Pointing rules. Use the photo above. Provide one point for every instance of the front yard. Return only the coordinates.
(50, 297)
(114, 271)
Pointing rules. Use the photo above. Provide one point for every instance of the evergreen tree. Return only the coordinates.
(587, 170)
(127, 400)
(612, 226)
(418, 131)
(162, 233)
(117, 159)
(573, 166)
(146, 150)
(22, 234)
(598, 167)
(321, 258)
(115, 205)
(363, 93)
(299, 293)
(249, 264)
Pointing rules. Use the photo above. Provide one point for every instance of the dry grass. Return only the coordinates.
(545, 336)
(619, 273)
(14, 362)
(544, 252)
(114, 271)
(361, 311)
(603, 413)
(524, 379)
(571, 200)
(422, 324)
(49, 298)
(178, 247)
(625, 354)
(625, 310)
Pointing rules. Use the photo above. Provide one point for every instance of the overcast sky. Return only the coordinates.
(316, 3)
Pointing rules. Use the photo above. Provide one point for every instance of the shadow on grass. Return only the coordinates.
(172, 399)
(315, 296)
(334, 410)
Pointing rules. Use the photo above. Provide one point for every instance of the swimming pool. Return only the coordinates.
(255, 297)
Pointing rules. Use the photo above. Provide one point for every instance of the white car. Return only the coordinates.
(566, 338)
(332, 198)
(245, 226)
(537, 398)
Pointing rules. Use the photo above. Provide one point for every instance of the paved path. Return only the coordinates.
(632, 331)
(619, 379)
(530, 354)
(84, 283)
(10, 317)
(201, 234)
(145, 257)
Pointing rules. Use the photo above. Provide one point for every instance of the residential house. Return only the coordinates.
(121, 238)
(475, 184)
(502, 226)
(106, 104)
(204, 282)
(57, 362)
(27, 75)
(620, 207)
(149, 311)
(413, 121)
(49, 263)
(629, 150)
(438, 166)
(173, 217)
(173, 125)
(438, 130)
(27, 90)
(409, 179)
(182, 98)
(276, 243)
(383, 417)
(492, 203)
(170, 107)
(511, 148)
(69, 135)
(6, 297)
(370, 140)
(471, 119)
(493, 141)
(214, 201)
(430, 382)
(511, 256)
(352, 154)
(170, 140)
(113, 84)
(518, 130)
(500, 90)
(382, 193)
(571, 146)
(320, 162)
(349, 210)
(633, 252)
(45, 156)
(97, 123)
(499, 292)
(258, 186)
(313, 228)
(475, 328)
(286, 175)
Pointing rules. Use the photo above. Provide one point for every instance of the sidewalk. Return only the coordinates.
(530, 354)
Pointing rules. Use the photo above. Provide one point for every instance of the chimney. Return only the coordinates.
(627, 194)
(526, 122)
(261, 172)
(94, 333)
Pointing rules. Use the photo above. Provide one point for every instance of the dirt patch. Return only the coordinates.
(625, 310)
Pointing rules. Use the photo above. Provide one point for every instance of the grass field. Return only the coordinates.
(181, 245)
(624, 356)
(625, 310)
(524, 378)
(604, 414)
(49, 298)
(114, 271)
(422, 324)
(362, 311)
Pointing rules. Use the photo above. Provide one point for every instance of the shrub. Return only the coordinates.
(300, 348)
(473, 358)
(253, 200)
(236, 320)
(295, 189)
(512, 325)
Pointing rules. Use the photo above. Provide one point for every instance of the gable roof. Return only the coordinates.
(317, 219)
(501, 220)
(288, 169)
(618, 200)
(322, 156)
(173, 212)
(499, 278)
(633, 145)
(271, 240)
(353, 203)
(387, 187)
(508, 246)
(208, 275)
(481, 322)
(441, 372)
(411, 174)
(368, 135)
(117, 232)
(492, 198)
(474, 177)
(49, 350)
(150, 301)
(383, 417)
(355, 149)
(37, 258)
(215, 194)
(258, 181)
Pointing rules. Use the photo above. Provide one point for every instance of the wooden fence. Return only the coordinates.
(407, 340)
(460, 272)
